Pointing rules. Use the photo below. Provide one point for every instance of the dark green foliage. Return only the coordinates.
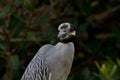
(108, 71)
(16, 25)
(4, 11)
(26, 25)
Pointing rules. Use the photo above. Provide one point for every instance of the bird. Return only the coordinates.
(53, 62)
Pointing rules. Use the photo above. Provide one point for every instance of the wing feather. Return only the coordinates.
(37, 68)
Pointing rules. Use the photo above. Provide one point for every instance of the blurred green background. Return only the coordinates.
(26, 25)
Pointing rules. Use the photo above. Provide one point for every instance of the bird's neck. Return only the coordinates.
(65, 44)
(66, 47)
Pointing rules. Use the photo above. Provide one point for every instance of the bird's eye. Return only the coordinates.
(71, 29)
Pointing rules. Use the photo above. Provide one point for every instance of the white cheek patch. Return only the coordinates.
(59, 28)
(73, 33)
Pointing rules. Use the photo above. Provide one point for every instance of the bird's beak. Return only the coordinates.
(62, 34)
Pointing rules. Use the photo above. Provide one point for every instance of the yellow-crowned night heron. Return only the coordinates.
(53, 62)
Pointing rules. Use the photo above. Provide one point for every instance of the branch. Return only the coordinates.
(25, 40)
(104, 36)
(105, 15)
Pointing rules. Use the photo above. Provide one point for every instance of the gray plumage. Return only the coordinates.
(52, 62)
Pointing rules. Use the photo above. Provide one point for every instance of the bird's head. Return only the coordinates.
(66, 32)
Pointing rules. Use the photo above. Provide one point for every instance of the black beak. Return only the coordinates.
(62, 34)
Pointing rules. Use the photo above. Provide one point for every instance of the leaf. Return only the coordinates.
(98, 66)
(111, 63)
(30, 35)
(84, 26)
(12, 67)
(116, 32)
(118, 61)
(4, 11)
(14, 62)
(94, 3)
(86, 72)
(113, 71)
(94, 45)
(104, 70)
(29, 5)
(3, 45)
(99, 75)
(17, 2)
(16, 25)
(1, 54)
(85, 8)
(43, 19)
